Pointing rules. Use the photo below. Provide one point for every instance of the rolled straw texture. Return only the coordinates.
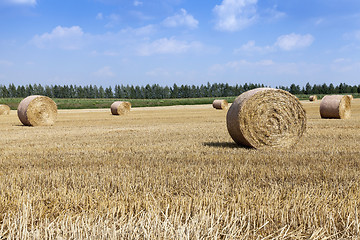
(312, 98)
(265, 117)
(351, 97)
(37, 110)
(335, 106)
(120, 108)
(220, 104)
(4, 109)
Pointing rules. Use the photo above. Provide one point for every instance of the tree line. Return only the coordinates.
(156, 91)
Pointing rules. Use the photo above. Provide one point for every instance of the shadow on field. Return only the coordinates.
(224, 145)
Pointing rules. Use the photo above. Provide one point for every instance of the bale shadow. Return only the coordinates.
(224, 145)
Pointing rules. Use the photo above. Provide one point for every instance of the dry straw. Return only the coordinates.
(37, 110)
(220, 104)
(313, 98)
(4, 109)
(266, 117)
(351, 97)
(120, 108)
(335, 106)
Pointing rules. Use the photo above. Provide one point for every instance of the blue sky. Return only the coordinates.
(108, 42)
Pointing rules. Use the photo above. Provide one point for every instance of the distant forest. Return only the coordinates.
(156, 91)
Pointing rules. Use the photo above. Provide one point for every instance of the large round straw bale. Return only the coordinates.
(351, 97)
(266, 117)
(335, 106)
(120, 107)
(312, 98)
(4, 109)
(37, 110)
(220, 104)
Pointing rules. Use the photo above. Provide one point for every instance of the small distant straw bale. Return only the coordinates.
(4, 109)
(335, 106)
(266, 117)
(220, 104)
(120, 107)
(313, 98)
(37, 110)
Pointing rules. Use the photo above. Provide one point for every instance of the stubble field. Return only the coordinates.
(175, 173)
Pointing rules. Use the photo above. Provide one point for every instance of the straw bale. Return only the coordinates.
(37, 110)
(335, 106)
(220, 104)
(266, 117)
(120, 107)
(4, 109)
(351, 97)
(312, 98)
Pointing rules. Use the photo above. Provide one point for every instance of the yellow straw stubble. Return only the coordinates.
(220, 104)
(120, 107)
(37, 110)
(266, 117)
(335, 106)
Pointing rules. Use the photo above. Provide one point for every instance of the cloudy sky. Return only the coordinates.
(108, 42)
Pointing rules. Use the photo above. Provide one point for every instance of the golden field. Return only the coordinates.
(175, 173)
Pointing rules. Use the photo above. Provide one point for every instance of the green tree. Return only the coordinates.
(108, 92)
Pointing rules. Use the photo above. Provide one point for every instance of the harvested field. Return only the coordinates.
(175, 173)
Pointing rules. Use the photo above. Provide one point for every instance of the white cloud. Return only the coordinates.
(142, 31)
(181, 19)
(60, 37)
(355, 35)
(272, 14)
(263, 68)
(285, 42)
(141, 15)
(104, 53)
(114, 19)
(234, 15)
(341, 60)
(250, 47)
(111, 53)
(104, 72)
(346, 68)
(5, 63)
(99, 16)
(242, 63)
(21, 2)
(137, 3)
(345, 65)
(267, 70)
(294, 41)
(349, 47)
(246, 67)
(167, 46)
(319, 21)
(158, 72)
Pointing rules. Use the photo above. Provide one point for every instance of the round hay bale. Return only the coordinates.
(335, 106)
(266, 117)
(313, 98)
(120, 108)
(4, 109)
(220, 104)
(351, 97)
(37, 110)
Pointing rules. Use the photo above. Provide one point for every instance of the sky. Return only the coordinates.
(139, 42)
